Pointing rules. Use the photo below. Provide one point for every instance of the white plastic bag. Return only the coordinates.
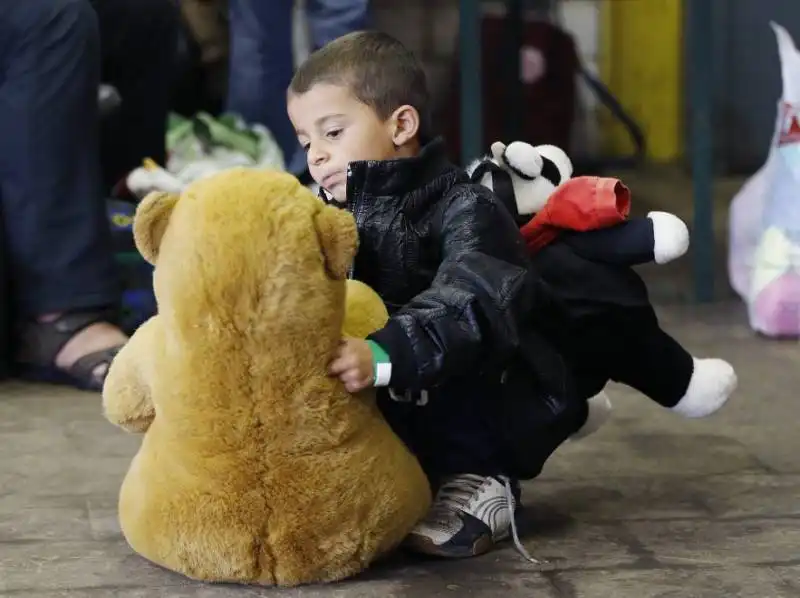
(764, 246)
(228, 142)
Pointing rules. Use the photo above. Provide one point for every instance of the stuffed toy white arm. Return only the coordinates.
(670, 236)
(660, 238)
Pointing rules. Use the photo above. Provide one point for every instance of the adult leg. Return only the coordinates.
(261, 67)
(139, 42)
(329, 19)
(57, 236)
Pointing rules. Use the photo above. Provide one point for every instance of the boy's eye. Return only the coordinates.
(305, 146)
(333, 134)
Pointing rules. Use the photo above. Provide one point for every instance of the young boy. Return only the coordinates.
(451, 266)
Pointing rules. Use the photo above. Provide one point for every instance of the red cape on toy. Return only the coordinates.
(580, 204)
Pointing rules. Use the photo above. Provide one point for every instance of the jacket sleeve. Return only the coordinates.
(481, 293)
(627, 244)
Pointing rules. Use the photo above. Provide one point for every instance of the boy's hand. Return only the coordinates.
(352, 364)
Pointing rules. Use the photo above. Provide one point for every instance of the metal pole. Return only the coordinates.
(471, 80)
(514, 108)
(701, 58)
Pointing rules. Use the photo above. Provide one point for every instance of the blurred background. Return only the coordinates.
(610, 80)
(677, 98)
(638, 49)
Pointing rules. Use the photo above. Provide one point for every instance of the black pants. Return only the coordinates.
(466, 428)
(53, 56)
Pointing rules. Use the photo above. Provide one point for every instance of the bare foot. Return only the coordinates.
(96, 337)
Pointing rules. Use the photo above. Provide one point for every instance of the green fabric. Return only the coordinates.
(225, 139)
(379, 356)
(225, 132)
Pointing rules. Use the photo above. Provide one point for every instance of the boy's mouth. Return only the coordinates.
(331, 180)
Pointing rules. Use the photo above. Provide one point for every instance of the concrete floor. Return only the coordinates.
(651, 506)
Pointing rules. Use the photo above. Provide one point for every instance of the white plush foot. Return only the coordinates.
(599, 412)
(712, 383)
(671, 236)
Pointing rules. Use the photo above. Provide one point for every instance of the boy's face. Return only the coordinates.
(335, 128)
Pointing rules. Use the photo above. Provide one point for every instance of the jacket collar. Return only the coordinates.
(399, 176)
(411, 183)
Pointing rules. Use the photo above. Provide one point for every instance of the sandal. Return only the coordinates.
(40, 342)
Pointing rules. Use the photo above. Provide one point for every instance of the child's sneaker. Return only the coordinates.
(469, 515)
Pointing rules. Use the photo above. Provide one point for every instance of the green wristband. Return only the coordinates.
(381, 364)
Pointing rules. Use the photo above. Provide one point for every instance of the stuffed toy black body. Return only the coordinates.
(584, 245)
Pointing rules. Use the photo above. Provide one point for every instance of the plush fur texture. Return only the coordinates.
(712, 383)
(670, 236)
(255, 465)
(532, 175)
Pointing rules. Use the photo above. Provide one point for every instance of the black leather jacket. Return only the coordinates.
(451, 265)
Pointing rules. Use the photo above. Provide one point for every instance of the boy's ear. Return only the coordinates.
(405, 123)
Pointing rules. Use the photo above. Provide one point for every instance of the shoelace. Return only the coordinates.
(514, 535)
(455, 494)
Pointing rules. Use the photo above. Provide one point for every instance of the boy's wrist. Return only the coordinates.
(394, 340)
(381, 364)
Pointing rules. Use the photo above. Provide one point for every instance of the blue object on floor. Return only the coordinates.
(138, 299)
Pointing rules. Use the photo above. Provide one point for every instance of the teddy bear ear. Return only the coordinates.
(338, 237)
(150, 222)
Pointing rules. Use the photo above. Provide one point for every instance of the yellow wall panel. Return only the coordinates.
(641, 61)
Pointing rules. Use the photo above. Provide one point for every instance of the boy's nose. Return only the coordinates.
(317, 156)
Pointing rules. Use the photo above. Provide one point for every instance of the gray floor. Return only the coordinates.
(652, 505)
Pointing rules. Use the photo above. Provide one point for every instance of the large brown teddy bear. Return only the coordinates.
(255, 465)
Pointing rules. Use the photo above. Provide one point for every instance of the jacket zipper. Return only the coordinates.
(355, 208)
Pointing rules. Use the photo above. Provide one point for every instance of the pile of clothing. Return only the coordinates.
(203, 145)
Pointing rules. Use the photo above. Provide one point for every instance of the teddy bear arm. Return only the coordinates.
(365, 312)
(126, 396)
(629, 243)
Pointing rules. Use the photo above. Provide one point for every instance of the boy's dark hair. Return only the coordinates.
(379, 70)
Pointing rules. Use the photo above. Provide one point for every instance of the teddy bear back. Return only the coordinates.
(258, 467)
(240, 261)
(250, 278)
(365, 311)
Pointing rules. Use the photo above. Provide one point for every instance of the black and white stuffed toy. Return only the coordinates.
(584, 245)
